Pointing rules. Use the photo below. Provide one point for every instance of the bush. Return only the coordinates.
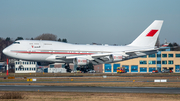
(12, 95)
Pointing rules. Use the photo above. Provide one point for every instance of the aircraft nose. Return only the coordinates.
(5, 51)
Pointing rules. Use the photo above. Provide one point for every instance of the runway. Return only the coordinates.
(91, 89)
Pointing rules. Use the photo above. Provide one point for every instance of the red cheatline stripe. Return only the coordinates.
(152, 33)
(51, 53)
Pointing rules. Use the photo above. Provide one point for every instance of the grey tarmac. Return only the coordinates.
(90, 89)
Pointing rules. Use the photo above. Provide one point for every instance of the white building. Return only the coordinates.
(55, 70)
(25, 67)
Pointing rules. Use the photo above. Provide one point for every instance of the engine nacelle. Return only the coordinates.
(43, 63)
(80, 61)
(116, 57)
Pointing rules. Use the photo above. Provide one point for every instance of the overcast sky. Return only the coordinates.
(87, 21)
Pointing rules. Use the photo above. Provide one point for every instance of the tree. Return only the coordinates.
(46, 36)
(176, 47)
(59, 40)
(64, 40)
(19, 38)
(175, 44)
(8, 39)
(170, 45)
(3, 44)
(1, 39)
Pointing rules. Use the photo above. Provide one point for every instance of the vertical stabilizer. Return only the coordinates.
(149, 36)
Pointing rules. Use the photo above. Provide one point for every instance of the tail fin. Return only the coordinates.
(149, 36)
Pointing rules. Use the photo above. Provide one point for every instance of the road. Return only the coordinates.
(91, 89)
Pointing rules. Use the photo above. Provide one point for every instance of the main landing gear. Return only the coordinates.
(67, 67)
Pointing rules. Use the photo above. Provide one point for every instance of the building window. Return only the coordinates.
(115, 66)
(51, 66)
(170, 62)
(30, 68)
(170, 55)
(142, 62)
(27, 68)
(151, 69)
(152, 62)
(164, 55)
(134, 68)
(164, 68)
(164, 62)
(126, 67)
(177, 68)
(16, 69)
(158, 62)
(158, 55)
(144, 56)
(143, 69)
(178, 55)
(34, 69)
(152, 55)
(107, 67)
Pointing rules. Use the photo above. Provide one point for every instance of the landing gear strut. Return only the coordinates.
(67, 67)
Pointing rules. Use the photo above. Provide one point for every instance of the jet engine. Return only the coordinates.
(80, 61)
(43, 63)
(115, 57)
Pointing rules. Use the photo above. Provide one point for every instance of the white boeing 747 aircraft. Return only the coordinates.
(47, 52)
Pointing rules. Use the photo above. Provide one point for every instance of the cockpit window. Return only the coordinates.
(16, 42)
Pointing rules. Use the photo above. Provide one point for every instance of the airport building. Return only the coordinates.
(25, 67)
(32, 67)
(146, 64)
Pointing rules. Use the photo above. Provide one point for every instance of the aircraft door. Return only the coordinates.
(41, 44)
(31, 46)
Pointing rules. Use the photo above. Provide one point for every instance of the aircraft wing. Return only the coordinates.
(101, 58)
